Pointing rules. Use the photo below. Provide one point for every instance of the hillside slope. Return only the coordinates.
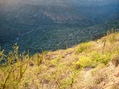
(89, 65)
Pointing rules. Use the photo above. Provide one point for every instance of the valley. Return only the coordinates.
(54, 38)
(50, 25)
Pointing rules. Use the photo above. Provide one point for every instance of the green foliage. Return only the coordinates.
(66, 83)
(83, 62)
(38, 59)
(2, 56)
(83, 47)
(54, 62)
(98, 58)
(13, 69)
(92, 60)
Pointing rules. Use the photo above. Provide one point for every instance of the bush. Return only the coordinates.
(84, 61)
(98, 58)
(84, 46)
(12, 71)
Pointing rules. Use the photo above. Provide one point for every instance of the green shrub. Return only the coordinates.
(66, 83)
(54, 62)
(98, 58)
(83, 47)
(84, 61)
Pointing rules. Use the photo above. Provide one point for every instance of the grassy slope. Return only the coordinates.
(88, 65)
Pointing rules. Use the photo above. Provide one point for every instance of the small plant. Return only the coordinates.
(2, 56)
(54, 62)
(111, 31)
(111, 37)
(15, 48)
(38, 59)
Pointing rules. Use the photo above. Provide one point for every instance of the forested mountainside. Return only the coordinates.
(58, 37)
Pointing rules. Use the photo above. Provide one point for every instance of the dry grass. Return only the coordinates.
(86, 66)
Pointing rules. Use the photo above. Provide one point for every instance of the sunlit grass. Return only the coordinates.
(79, 67)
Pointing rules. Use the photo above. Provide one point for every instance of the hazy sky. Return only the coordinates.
(56, 1)
(7, 4)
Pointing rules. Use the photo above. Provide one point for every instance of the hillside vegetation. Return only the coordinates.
(89, 65)
(48, 38)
